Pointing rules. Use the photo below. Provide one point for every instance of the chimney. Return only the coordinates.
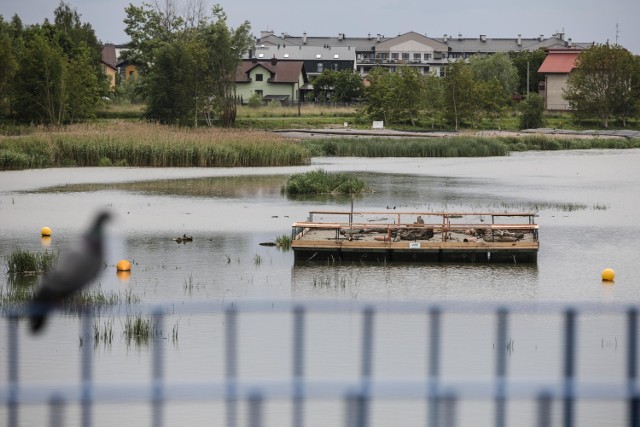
(519, 40)
(483, 37)
(378, 38)
(265, 33)
(274, 60)
(304, 38)
(340, 36)
(541, 37)
(459, 36)
(569, 42)
(445, 38)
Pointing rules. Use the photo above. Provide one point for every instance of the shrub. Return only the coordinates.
(532, 109)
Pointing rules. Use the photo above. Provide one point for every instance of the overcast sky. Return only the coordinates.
(582, 20)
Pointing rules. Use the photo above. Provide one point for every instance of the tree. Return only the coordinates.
(40, 86)
(348, 86)
(532, 110)
(604, 83)
(433, 98)
(527, 64)
(8, 65)
(460, 93)
(324, 84)
(170, 86)
(496, 67)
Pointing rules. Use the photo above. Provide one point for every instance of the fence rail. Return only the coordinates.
(441, 395)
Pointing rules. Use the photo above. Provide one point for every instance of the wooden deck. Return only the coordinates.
(410, 236)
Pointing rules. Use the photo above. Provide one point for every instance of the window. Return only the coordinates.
(259, 93)
(427, 56)
(405, 56)
(320, 67)
(395, 56)
(417, 57)
(259, 77)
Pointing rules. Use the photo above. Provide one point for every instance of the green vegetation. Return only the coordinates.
(26, 262)
(462, 146)
(532, 110)
(146, 144)
(322, 182)
(283, 242)
(140, 330)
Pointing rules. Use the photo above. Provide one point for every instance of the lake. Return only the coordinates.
(587, 202)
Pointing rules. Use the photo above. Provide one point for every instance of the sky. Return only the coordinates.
(581, 20)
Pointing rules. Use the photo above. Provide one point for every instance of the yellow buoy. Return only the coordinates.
(123, 265)
(608, 275)
(45, 232)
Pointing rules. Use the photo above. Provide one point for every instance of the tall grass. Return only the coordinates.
(321, 182)
(21, 261)
(145, 144)
(462, 146)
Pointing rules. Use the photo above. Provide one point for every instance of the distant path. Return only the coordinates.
(349, 132)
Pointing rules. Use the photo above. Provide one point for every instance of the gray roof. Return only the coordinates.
(453, 43)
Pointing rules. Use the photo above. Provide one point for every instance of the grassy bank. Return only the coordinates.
(143, 144)
(456, 146)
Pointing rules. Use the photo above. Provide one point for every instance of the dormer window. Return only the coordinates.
(259, 77)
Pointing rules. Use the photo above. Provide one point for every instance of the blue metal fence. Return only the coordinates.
(441, 396)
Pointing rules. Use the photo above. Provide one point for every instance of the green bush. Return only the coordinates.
(532, 110)
(322, 182)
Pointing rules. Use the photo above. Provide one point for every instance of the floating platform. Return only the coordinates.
(483, 237)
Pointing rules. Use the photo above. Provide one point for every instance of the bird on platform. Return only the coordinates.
(76, 268)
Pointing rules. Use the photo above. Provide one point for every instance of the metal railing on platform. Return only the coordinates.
(440, 395)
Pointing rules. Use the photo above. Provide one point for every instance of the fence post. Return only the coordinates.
(157, 395)
(501, 366)
(434, 366)
(56, 411)
(298, 366)
(231, 368)
(255, 409)
(544, 409)
(569, 365)
(367, 365)
(87, 369)
(12, 413)
(632, 367)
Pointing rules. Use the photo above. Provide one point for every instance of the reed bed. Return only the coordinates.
(146, 144)
(462, 146)
(21, 261)
(321, 182)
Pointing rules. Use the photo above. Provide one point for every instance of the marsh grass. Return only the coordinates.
(103, 332)
(321, 182)
(145, 144)
(459, 146)
(283, 242)
(140, 330)
(21, 261)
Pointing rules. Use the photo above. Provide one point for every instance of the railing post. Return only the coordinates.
(157, 384)
(231, 368)
(367, 366)
(434, 366)
(569, 366)
(255, 409)
(632, 367)
(501, 367)
(12, 413)
(298, 366)
(544, 409)
(56, 411)
(87, 369)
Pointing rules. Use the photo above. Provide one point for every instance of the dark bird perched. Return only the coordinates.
(76, 268)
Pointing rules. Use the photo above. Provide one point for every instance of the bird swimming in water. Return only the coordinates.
(76, 268)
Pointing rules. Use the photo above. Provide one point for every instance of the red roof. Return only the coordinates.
(281, 71)
(561, 61)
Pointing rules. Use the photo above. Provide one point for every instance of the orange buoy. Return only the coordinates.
(123, 265)
(45, 232)
(608, 275)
